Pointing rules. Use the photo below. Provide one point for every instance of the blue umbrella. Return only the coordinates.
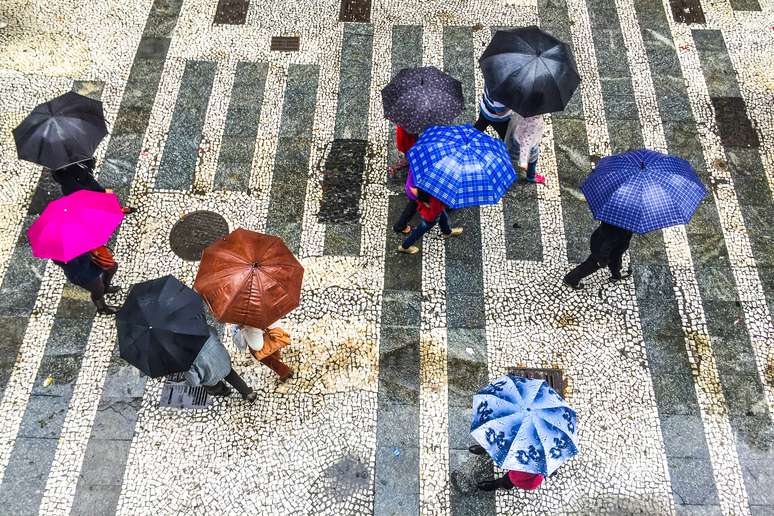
(643, 190)
(524, 425)
(461, 166)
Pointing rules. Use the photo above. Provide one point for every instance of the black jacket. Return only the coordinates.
(609, 242)
(78, 176)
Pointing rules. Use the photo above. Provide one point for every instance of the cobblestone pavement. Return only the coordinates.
(671, 372)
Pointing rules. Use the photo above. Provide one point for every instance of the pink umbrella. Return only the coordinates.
(75, 224)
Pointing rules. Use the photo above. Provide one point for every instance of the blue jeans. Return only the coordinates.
(425, 226)
(534, 152)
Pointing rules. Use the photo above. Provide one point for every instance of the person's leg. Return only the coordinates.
(97, 290)
(448, 231)
(405, 217)
(532, 175)
(239, 384)
(501, 128)
(275, 363)
(418, 232)
(219, 389)
(482, 123)
(499, 483)
(574, 277)
(107, 279)
(615, 266)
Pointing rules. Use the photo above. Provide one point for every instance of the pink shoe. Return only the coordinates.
(537, 179)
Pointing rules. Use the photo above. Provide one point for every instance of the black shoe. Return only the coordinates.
(107, 310)
(574, 286)
(619, 277)
(219, 389)
(250, 397)
(476, 449)
(488, 485)
(113, 289)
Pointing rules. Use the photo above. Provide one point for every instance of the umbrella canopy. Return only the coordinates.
(417, 98)
(161, 327)
(524, 425)
(461, 166)
(643, 190)
(62, 131)
(529, 70)
(249, 278)
(75, 224)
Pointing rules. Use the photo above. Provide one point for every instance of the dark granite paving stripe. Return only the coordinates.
(465, 319)
(745, 5)
(238, 143)
(681, 425)
(743, 158)
(178, 161)
(231, 12)
(571, 149)
(291, 161)
(342, 188)
(396, 475)
(730, 342)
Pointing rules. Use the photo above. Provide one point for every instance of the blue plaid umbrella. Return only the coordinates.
(461, 166)
(643, 190)
(524, 425)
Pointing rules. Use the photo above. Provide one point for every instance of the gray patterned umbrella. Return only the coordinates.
(417, 98)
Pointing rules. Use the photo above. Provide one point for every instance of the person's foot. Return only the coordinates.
(455, 232)
(476, 449)
(537, 179)
(284, 378)
(412, 249)
(128, 210)
(250, 397)
(619, 277)
(487, 485)
(107, 310)
(574, 286)
(112, 289)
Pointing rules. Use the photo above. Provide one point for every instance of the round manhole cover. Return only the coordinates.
(195, 231)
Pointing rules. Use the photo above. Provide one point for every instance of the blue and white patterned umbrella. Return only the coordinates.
(524, 425)
(461, 166)
(643, 190)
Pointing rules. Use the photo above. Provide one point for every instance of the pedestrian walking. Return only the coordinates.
(608, 244)
(93, 271)
(404, 140)
(431, 211)
(492, 113)
(266, 345)
(523, 141)
(410, 209)
(511, 479)
(526, 427)
(80, 176)
(212, 366)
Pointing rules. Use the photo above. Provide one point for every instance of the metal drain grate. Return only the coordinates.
(194, 232)
(355, 11)
(175, 393)
(553, 377)
(286, 43)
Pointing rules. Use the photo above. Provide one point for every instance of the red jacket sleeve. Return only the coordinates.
(404, 140)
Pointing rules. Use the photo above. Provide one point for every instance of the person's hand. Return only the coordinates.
(414, 191)
(523, 170)
(108, 190)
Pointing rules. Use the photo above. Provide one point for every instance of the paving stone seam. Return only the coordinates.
(720, 438)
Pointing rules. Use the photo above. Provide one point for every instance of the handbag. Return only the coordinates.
(103, 257)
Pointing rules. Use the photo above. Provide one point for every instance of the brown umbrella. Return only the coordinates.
(249, 278)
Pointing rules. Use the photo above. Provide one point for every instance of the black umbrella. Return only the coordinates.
(417, 98)
(62, 131)
(161, 327)
(529, 70)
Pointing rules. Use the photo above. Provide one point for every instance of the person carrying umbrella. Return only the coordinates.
(80, 176)
(72, 232)
(410, 209)
(417, 98)
(526, 427)
(492, 113)
(431, 211)
(523, 141)
(252, 280)
(634, 192)
(162, 330)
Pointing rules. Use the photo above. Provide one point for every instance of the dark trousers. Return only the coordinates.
(500, 127)
(405, 216)
(424, 227)
(591, 265)
(234, 379)
(98, 286)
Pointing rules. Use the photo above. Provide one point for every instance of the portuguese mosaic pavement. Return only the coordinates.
(671, 372)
